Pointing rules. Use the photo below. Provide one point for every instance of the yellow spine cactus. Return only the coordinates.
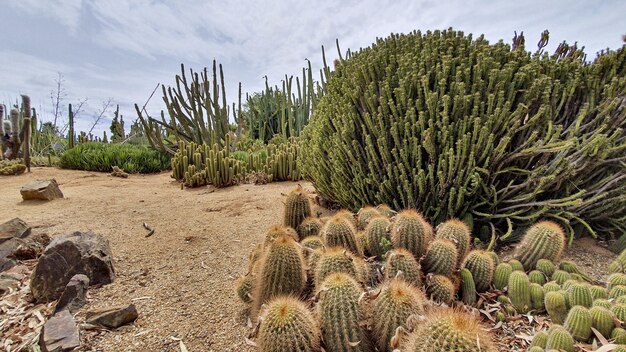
(335, 260)
(364, 215)
(440, 288)
(338, 232)
(376, 235)
(297, 208)
(456, 231)
(412, 232)
(401, 263)
(482, 267)
(544, 240)
(441, 257)
(559, 339)
(287, 325)
(309, 227)
(578, 323)
(556, 306)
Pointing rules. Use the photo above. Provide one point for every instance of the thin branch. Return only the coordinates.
(105, 107)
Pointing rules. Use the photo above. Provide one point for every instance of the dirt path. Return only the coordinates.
(182, 277)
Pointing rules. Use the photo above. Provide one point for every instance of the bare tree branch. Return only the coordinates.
(105, 107)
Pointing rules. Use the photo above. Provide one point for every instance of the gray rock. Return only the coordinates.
(14, 228)
(73, 297)
(60, 333)
(16, 249)
(113, 317)
(41, 190)
(77, 253)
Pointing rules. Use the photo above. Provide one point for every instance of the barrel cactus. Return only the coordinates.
(546, 266)
(364, 215)
(412, 232)
(338, 232)
(287, 325)
(579, 323)
(519, 291)
(501, 275)
(536, 296)
(544, 240)
(556, 306)
(244, 288)
(440, 288)
(539, 340)
(456, 231)
(335, 260)
(516, 265)
(560, 277)
(537, 277)
(276, 231)
(481, 265)
(616, 279)
(441, 257)
(309, 227)
(602, 320)
(297, 208)
(376, 233)
(401, 262)
(559, 339)
(551, 286)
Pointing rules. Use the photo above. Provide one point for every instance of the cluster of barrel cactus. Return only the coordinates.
(200, 164)
(12, 167)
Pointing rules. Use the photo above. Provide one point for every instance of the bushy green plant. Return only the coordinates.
(453, 125)
(102, 157)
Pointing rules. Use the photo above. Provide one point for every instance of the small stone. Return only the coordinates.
(113, 317)
(14, 228)
(41, 190)
(60, 333)
(73, 298)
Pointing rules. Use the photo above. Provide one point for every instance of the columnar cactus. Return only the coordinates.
(401, 262)
(282, 271)
(297, 208)
(579, 294)
(396, 302)
(559, 339)
(364, 215)
(411, 232)
(456, 231)
(335, 260)
(309, 227)
(546, 266)
(544, 240)
(340, 314)
(536, 296)
(578, 323)
(602, 320)
(449, 330)
(482, 267)
(287, 325)
(338, 232)
(556, 306)
(501, 276)
(441, 257)
(468, 287)
(440, 288)
(376, 233)
(519, 291)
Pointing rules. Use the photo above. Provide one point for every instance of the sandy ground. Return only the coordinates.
(182, 278)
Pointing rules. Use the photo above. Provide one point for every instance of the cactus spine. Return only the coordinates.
(468, 287)
(297, 208)
(449, 330)
(396, 303)
(287, 325)
(340, 314)
(544, 240)
(556, 306)
(602, 320)
(338, 232)
(276, 231)
(456, 231)
(559, 339)
(501, 276)
(441, 257)
(519, 291)
(482, 267)
(440, 288)
(578, 323)
(376, 232)
(402, 261)
(282, 271)
(411, 232)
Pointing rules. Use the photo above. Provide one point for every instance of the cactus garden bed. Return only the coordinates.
(183, 278)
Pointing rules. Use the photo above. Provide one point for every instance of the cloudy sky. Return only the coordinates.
(121, 49)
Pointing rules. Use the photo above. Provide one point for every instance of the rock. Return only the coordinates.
(113, 317)
(14, 228)
(15, 249)
(41, 190)
(77, 253)
(73, 297)
(60, 333)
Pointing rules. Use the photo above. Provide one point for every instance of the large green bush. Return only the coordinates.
(456, 126)
(103, 156)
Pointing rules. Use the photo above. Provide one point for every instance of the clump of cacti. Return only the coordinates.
(544, 240)
(441, 257)
(519, 291)
(376, 233)
(338, 232)
(468, 287)
(449, 330)
(335, 260)
(412, 232)
(297, 208)
(340, 314)
(440, 288)
(559, 339)
(396, 302)
(401, 263)
(309, 227)
(12, 167)
(555, 303)
(456, 231)
(364, 215)
(501, 275)
(282, 271)
(288, 325)
(579, 322)
(482, 267)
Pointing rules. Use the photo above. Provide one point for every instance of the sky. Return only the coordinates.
(119, 50)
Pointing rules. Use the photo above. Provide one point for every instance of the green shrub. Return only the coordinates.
(102, 157)
(454, 125)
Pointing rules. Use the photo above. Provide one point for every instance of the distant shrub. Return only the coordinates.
(102, 157)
